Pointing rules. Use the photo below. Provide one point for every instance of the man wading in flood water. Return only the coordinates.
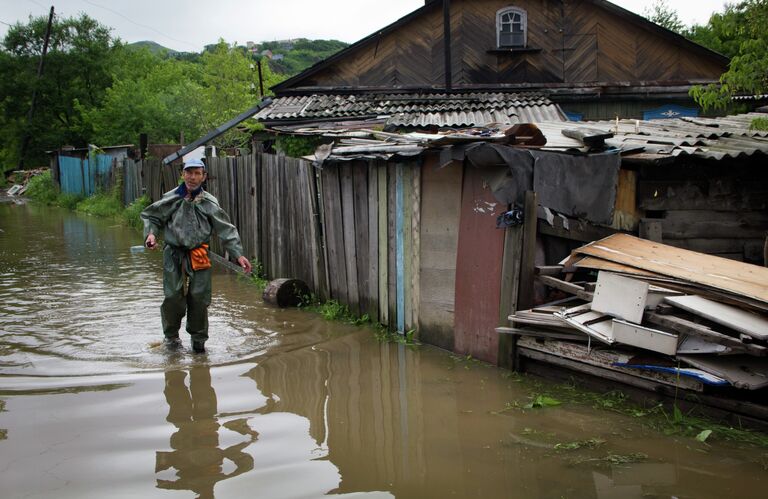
(187, 215)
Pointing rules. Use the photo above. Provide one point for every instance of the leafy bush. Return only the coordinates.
(42, 189)
(296, 146)
(133, 210)
(69, 201)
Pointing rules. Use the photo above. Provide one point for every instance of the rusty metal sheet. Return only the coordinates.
(478, 270)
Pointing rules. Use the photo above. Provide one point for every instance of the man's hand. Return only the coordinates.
(151, 242)
(245, 264)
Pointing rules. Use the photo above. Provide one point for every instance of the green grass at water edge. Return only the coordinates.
(101, 204)
(257, 276)
(42, 189)
(132, 211)
(654, 416)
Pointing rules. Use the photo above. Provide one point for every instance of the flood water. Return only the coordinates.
(285, 404)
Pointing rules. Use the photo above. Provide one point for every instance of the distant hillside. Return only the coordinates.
(153, 47)
(287, 57)
(290, 57)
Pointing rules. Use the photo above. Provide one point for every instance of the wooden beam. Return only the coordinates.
(525, 293)
(565, 286)
(577, 231)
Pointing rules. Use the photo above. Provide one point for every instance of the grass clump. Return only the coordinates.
(133, 210)
(102, 204)
(333, 310)
(257, 275)
(385, 335)
(42, 189)
(759, 124)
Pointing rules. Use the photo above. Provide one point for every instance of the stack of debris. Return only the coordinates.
(656, 315)
(20, 180)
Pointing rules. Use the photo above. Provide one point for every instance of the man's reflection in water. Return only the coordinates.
(196, 456)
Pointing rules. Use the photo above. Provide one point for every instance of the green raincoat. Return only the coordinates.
(187, 224)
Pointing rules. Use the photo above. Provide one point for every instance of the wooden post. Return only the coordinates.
(510, 280)
(525, 297)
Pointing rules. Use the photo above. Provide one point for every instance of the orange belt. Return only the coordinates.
(198, 257)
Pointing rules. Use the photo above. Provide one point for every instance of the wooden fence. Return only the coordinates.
(350, 230)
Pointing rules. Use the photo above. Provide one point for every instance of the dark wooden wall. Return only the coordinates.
(579, 42)
(719, 209)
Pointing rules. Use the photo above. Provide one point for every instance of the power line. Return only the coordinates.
(139, 24)
(38, 3)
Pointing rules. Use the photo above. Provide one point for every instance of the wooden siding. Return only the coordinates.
(578, 42)
(716, 210)
(439, 233)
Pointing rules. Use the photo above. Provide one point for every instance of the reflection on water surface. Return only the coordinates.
(285, 404)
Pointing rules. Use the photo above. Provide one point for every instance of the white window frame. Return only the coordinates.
(523, 21)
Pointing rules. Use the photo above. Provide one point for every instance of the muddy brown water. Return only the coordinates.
(285, 404)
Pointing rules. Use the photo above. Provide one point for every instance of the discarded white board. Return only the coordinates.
(14, 190)
(644, 337)
(745, 322)
(593, 323)
(743, 371)
(620, 297)
(693, 345)
(657, 294)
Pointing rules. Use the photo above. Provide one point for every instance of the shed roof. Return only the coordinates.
(655, 141)
(419, 109)
(728, 137)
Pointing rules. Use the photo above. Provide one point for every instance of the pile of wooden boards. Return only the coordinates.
(656, 314)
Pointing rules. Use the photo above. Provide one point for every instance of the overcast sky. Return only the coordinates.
(188, 25)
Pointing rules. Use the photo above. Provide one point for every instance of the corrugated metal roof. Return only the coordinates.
(418, 109)
(711, 138)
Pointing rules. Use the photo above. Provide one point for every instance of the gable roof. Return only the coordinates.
(288, 86)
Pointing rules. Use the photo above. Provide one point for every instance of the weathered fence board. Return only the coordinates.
(371, 307)
(360, 181)
(133, 187)
(334, 237)
(382, 213)
(350, 248)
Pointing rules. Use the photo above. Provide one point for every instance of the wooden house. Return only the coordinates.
(597, 60)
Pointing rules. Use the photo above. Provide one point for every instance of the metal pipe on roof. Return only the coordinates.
(218, 131)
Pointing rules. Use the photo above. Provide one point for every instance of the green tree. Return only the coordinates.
(229, 80)
(150, 94)
(743, 24)
(663, 15)
(77, 68)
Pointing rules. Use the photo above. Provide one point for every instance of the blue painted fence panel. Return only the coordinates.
(71, 175)
(82, 177)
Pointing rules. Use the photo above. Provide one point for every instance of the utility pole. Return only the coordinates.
(25, 140)
(261, 80)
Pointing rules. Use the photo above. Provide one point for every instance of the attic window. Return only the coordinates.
(511, 28)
